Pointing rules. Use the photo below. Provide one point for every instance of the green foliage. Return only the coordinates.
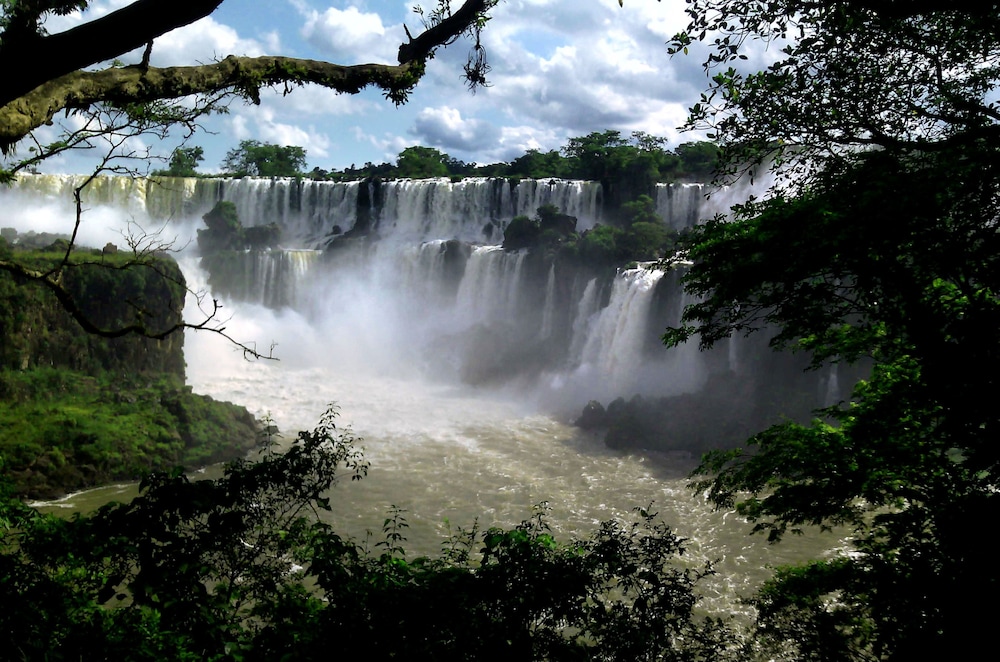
(61, 431)
(422, 162)
(627, 167)
(883, 249)
(888, 256)
(699, 161)
(521, 232)
(599, 246)
(645, 241)
(113, 290)
(550, 227)
(224, 232)
(256, 159)
(183, 162)
(240, 568)
(534, 164)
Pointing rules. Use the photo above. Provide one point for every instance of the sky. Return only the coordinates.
(560, 69)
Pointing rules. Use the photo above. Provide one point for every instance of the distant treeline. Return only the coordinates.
(598, 156)
(608, 157)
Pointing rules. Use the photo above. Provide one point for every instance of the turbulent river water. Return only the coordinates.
(445, 452)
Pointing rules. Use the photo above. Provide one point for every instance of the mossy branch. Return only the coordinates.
(244, 76)
(69, 88)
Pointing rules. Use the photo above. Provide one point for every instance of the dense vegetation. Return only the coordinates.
(113, 290)
(78, 409)
(631, 163)
(62, 430)
(239, 568)
(881, 246)
(606, 156)
(640, 236)
(882, 116)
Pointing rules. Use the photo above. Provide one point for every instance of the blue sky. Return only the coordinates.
(561, 68)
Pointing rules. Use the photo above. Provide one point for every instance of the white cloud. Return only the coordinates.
(561, 68)
(444, 127)
(205, 41)
(350, 35)
(264, 124)
(312, 100)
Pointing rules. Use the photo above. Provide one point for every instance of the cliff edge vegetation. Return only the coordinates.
(77, 409)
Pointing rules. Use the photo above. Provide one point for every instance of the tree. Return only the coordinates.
(698, 160)
(537, 165)
(878, 246)
(75, 71)
(239, 568)
(256, 159)
(597, 154)
(183, 162)
(421, 162)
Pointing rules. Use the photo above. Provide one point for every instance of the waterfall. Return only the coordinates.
(424, 284)
(614, 346)
(491, 285)
(548, 312)
(679, 205)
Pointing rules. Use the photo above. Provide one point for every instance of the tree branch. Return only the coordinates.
(55, 80)
(241, 75)
(32, 60)
(53, 282)
(444, 32)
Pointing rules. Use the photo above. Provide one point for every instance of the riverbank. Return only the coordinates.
(63, 431)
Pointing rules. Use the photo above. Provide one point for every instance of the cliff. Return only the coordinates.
(37, 332)
(77, 409)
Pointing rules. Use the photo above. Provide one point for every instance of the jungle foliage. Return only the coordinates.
(241, 568)
(606, 156)
(252, 158)
(878, 244)
(62, 430)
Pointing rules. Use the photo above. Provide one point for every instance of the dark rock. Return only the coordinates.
(593, 417)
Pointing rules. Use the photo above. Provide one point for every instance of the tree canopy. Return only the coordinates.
(241, 568)
(878, 246)
(183, 162)
(422, 162)
(256, 159)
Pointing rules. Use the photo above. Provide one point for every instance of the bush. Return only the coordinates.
(238, 568)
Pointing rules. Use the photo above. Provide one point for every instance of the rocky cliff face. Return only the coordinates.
(36, 331)
(78, 409)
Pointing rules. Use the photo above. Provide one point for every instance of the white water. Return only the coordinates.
(378, 334)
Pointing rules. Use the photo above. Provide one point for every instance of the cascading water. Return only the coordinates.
(680, 205)
(458, 362)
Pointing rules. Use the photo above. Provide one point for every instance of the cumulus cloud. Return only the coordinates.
(205, 41)
(444, 127)
(388, 144)
(349, 35)
(264, 124)
(202, 41)
(561, 68)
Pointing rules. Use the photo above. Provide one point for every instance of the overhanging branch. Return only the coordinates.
(241, 75)
(32, 60)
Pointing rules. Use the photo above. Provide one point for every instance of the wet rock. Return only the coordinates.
(593, 417)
